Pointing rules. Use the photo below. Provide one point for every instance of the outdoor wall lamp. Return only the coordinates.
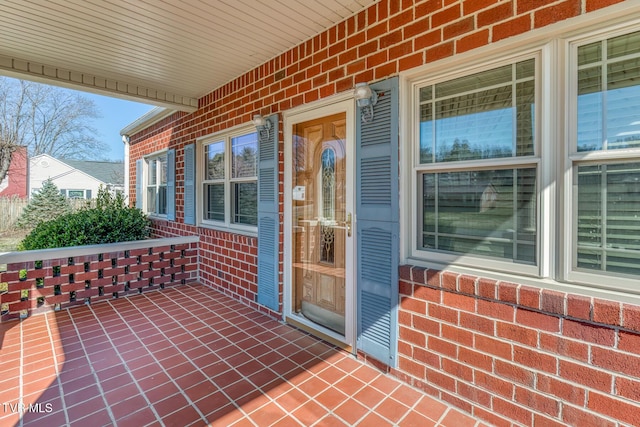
(365, 98)
(262, 125)
(260, 122)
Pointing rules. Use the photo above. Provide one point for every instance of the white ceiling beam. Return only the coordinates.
(29, 70)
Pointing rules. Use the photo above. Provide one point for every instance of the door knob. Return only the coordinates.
(348, 224)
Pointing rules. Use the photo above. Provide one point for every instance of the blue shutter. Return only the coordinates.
(378, 225)
(190, 184)
(139, 172)
(268, 217)
(171, 185)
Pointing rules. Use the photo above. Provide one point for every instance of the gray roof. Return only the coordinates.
(107, 172)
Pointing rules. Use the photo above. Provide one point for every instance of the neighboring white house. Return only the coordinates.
(75, 178)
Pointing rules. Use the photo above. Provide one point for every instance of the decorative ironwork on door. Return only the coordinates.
(327, 228)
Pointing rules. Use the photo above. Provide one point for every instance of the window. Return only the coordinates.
(493, 182)
(230, 183)
(477, 167)
(605, 157)
(76, 194)
(156, 184)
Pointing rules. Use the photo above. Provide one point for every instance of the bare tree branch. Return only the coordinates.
(47, 120)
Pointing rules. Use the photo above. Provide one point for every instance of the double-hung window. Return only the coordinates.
(604, 159)
(476, 166)
(156, 184)
(230, 183)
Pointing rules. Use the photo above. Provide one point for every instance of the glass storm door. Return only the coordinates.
(321, 221)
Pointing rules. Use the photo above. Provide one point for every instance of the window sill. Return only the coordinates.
(152, 215)
(243, 231)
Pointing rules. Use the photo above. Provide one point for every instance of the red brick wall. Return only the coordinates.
(387, 38)
(227, 261)
(451, 331)
(514, 353)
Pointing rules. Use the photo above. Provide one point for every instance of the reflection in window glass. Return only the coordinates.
(153, 172)
(214, 157)
(608, 227)
(245, 210)
(608, 93)
(486, 213)
(151, 200)
(483, 116)
(163, 170)
(214, 197)
(162, 200)
(245, 151)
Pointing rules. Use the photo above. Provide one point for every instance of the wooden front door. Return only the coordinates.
(321, 222)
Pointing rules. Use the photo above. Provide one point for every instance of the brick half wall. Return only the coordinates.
(32, 282)
(227, 262)
(510, 353)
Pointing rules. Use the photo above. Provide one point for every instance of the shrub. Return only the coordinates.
(44, 205)
(110, 221)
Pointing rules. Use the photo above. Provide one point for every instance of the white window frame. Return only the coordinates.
(556, 127)
(441, 259)
(226, 137)
(155, 157)
(574, 159)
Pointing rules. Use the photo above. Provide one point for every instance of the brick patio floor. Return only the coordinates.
(190, 356)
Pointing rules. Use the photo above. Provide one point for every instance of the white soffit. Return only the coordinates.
(164, 52)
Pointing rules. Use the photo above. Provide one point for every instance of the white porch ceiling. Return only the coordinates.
(164, 52)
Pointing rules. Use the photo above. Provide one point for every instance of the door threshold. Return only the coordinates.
(322, 335)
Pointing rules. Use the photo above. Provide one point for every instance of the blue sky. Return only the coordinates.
(116, 114)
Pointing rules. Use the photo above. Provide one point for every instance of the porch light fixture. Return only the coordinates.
(262, 125)
(365, 98)
(258, 120)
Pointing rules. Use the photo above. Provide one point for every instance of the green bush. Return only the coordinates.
(110, 221)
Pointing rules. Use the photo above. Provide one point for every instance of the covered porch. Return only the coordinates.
(189, 356)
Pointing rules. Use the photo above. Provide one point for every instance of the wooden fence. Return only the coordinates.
(11, 209)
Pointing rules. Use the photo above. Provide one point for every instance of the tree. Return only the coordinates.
(47, 120)
(45, 205)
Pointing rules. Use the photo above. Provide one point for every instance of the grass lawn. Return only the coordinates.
(9, 239)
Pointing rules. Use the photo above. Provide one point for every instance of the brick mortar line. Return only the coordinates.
(93, 371)
(559, 334)
(517, 305)
(55, 364)
(533, 389)
(556, 356)
(151, 353)
(366, 384)
(20, 380)
(182, 391)
(273, 400)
